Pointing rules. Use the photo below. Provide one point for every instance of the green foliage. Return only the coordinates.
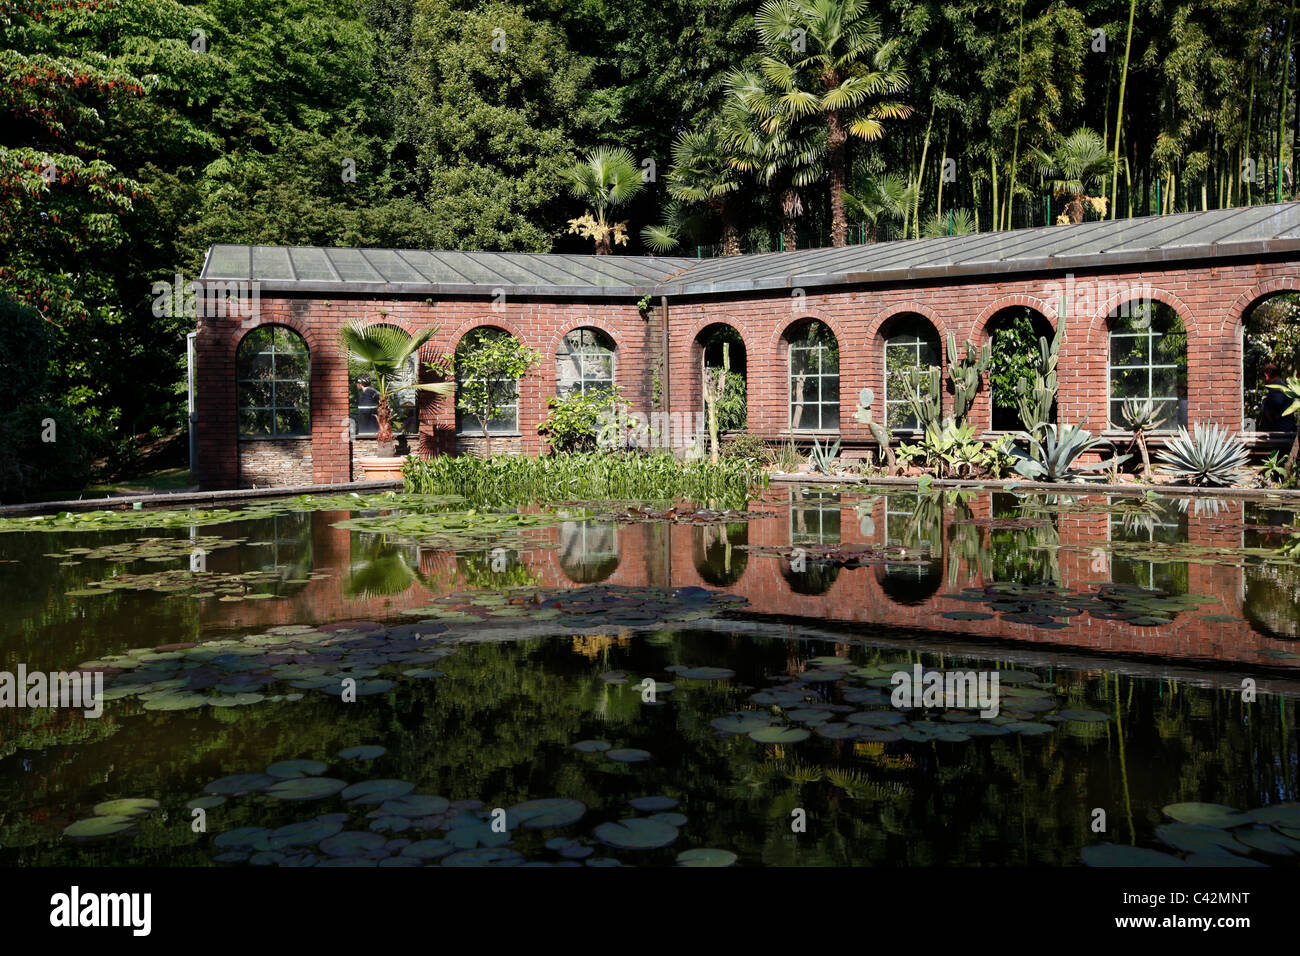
(1208, 455)
(1014, 348)
(605, 179)
(922, 393)
(509, 479)
(1052, 457)
(954, 222)
(951, 450)
(1143, 417)
(382, 352)
(1036, 394)
(488, 364)
(575, 421)
(747, 445)
(822, 459)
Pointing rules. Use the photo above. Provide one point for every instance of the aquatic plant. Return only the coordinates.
(1208, 455)
(514, 479)
(1053, 457)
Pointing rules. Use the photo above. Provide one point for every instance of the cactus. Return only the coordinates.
(1034, 398)
(881, 434)
(966, 373)
(923, 395)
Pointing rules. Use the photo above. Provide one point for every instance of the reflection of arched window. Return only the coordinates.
(814, 378)
(363, 396)
(503, 392)
(814, 520)
(910, 343)
(584, 363)
(588, 550)
(272, 383)
(1148, 360)
(1270, 592)
(718, 552)
(1153, 525)
(912, 521)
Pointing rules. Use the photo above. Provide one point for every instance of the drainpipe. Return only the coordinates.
(192, 414)
(667, 390)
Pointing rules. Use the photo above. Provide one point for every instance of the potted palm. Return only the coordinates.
(381, 353)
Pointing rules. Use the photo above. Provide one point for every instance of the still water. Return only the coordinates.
(394, 682)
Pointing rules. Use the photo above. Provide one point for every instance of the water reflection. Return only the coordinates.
(814, 519)
(718, 552)
(913, 522)
(589, 551)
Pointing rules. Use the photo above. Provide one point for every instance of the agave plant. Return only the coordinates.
(1142, 416)
(1208, 455)
(822, 459)
(1053, 458)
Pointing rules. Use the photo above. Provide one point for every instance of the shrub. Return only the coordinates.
(574, 422)
(748, 446)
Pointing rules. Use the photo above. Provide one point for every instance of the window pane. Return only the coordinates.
(802, 361)
(830, 388)
(1164, 382)
(254, 421)
(1129, 383)
(251, 394)
(830, 417)
(291, 394)
(292, 421)
(1170, 349)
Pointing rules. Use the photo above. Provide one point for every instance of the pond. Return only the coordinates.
(403, 681)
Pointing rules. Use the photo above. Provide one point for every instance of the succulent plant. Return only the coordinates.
(1034, 397)
(923, 395)
(1053, 457)
(966, 373)
(1208, 455)
(1142, 416)
(822, 459)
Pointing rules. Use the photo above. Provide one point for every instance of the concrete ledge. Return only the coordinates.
(193, 497)
(1059, 487)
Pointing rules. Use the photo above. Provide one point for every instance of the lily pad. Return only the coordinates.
(591, 746)
(1209, 814)
(635, 833)
(128, 807)
(546, 813)
(305, 788)
(377, 791)
(288, 769)
(352, 843)
(706, 857)
(628, 755)
(240, 783)
(779, 735)
(101, 826)
(363, 752)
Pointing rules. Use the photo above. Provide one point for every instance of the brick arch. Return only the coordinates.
(469, 325)
(292, 322)
(600, 325)
(742, 328)
(1011, 302)
(1097, 322)
(781, 330)
(919, 308)
(1236, 314)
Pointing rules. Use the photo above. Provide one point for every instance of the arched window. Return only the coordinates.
(502, 394)
(363, 397)
(910, 343)
(1148, 360)
(584, 364)
(814, 378)
(272, 384)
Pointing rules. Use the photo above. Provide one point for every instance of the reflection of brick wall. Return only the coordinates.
(268, 462)
(659, 555)
(1211, 299)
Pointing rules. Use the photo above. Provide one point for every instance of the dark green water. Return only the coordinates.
(1123, 631)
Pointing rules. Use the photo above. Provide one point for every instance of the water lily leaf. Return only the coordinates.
(1112, 854)
(1209, 814)
(635, 833)
(779, 735)
(363, 752)
(415, 805)
(706, 673)
(628, 755)
(100, 826)
(545, 813)
(427, 849)
(706, 857)
(307, 833)
(305, 788)
(1198, 838)
(652, 804)
(1279, 815)
(351, 843)
(243, 837)
(240, 783)
(377, 791)
(127, 807)
(288, 769)
(485, 856)
(591, 746)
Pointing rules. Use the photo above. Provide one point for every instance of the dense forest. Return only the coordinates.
(138, 132)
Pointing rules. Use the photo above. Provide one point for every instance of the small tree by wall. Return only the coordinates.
(488, 365)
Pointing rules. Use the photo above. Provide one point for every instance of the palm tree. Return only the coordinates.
(877, 196)
(781, 152)
(382, 352)
(833, 63)
(703, 171)
(1081, 162)
(606, 179)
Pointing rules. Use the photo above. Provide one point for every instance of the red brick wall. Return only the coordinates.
(1211, 299)
(664, 556)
